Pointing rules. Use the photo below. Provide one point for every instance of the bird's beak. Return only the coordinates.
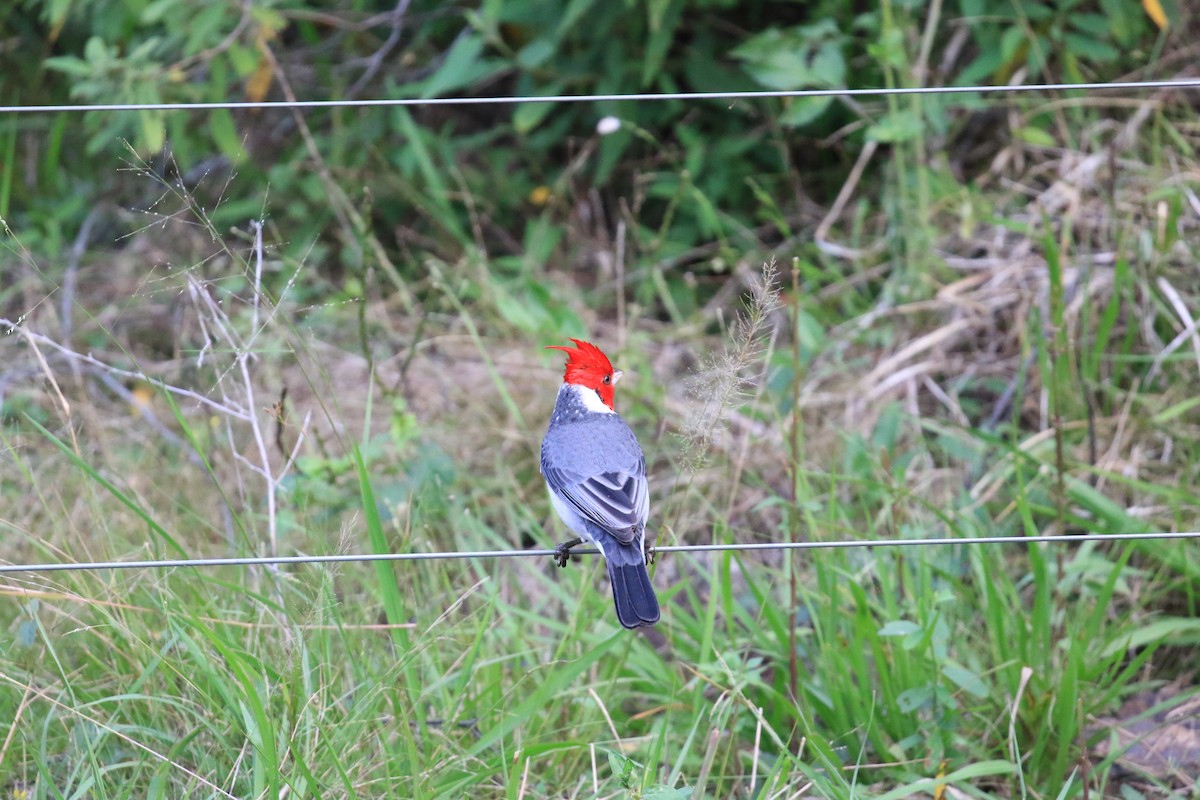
(617, 376)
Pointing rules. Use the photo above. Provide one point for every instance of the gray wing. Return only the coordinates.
(619, 502)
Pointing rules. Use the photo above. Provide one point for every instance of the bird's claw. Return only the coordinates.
(649, 552)
(562, 552)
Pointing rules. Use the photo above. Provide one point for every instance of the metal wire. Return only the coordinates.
(680, 548)
(1182, 83)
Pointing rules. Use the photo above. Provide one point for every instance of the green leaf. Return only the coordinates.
(965, 679)
(664, 21)
(95, 51)
(1175, 411)
(389, 590)
(541, 239)
(70, 65)
(795, 58)
(899, 126)
(800, 111)
(622, 767)
(1114, 516)
(1177, 631)
(930, 785)
(154, 133)
(1092, 49)
(461, 67)
(244, 59)
(612, 148)
(1012, 42)
(224, 133)
(517, 313)
(574, 10)
(914, 699)
(1094, 25)
(900, 627)
(536, 53)
(1035, 136)
(527, 116)
(889, 49)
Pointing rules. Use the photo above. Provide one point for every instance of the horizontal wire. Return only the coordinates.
(674, 548)
(1182, 83)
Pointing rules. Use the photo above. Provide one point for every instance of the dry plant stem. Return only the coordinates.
(66, 407)
(710, 754)
(377, 58)
(216, 327)
(205, 57)
(524, 780)
(221, 408)
(264, 454)
(755, 753)
(213, 320)
(260, 441)
(1014, 747)
(607, 717)
(1185, 316)
(821, 237)
(921, 68)
(749, 431)
(468, 200)
(339, 203)
(71, 275)
(721, 383)
(16, 719)
(793, 589)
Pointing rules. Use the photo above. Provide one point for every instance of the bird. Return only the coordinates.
(595, 472)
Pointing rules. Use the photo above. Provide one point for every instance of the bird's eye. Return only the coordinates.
(607, 380)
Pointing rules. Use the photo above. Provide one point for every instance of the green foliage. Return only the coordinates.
(695, 182)
(801, 57)
(1070, 41)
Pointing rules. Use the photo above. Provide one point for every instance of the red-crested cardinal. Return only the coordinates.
(596, 474)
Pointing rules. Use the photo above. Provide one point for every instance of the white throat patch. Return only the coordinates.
(591, 401)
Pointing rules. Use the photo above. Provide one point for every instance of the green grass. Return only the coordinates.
(511, 679)
(978, 668)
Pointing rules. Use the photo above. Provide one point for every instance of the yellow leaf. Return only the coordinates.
(259, 83)
(939, 789)
(1154, 10)
(540, 195)
(141, 396)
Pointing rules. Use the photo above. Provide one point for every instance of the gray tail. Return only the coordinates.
(632, 593)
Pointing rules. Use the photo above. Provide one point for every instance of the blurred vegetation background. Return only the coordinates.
(267, 330)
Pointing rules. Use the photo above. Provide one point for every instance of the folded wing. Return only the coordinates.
(619, 502)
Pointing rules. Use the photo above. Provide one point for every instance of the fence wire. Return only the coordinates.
(252, 561)
(1128, 86)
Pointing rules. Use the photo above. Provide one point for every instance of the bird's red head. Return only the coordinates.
(587, 366)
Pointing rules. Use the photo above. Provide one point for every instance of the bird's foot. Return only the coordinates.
(562, 552)
(649, 552)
